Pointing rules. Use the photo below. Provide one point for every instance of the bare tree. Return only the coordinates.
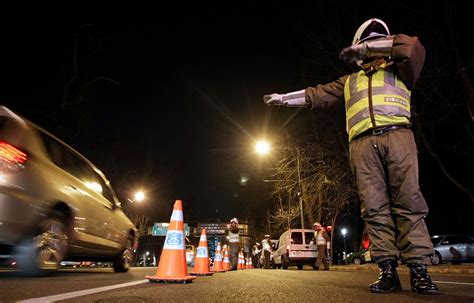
(141, 221)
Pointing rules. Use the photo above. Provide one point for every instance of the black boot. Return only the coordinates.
(420, 280)
(388, 280)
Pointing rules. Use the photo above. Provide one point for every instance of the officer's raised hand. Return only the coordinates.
(273, 99)
(353, 53)
(292, 99)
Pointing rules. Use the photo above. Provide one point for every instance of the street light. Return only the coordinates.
(344, 232)
(138, 196)
(263, 147)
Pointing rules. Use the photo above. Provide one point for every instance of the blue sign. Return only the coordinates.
(160, 229)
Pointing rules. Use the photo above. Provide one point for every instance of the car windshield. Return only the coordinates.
(436, 239)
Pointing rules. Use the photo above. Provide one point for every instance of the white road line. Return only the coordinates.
(79, 293)
(460, 283)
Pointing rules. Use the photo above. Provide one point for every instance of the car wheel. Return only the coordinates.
(284, 262)
(357, 260)
(436, 258)
(123, 261)
(43, 253)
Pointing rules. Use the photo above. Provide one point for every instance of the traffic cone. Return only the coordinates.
(249, 263)
(226, 263)
(240, 262)
(217, 267)
(201, 264)
(172, 266)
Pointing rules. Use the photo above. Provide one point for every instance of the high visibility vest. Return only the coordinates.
(320, 240)
(234, 237)
(377, 100)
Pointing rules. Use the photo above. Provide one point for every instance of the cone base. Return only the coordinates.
(185, 279)
(220, 270)
(210, 273)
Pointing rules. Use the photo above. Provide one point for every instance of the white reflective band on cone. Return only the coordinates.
(177, 215)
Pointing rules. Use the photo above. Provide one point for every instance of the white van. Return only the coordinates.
(294, 249)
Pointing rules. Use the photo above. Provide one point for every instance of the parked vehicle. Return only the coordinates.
(295, 249)
(452, 248)
(55, 204)
(357, 257)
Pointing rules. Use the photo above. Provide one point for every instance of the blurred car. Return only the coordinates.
(190, 254)
(295, 249)
(55, 204)
(452, 248)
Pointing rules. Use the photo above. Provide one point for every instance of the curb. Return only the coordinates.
(451, 269)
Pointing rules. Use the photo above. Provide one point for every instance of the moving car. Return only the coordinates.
(295, 249)
(55, 205)
(452, 248)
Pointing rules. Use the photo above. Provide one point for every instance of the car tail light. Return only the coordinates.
(11, 158)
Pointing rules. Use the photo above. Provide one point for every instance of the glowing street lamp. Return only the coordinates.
(138, 196)
(262, 147)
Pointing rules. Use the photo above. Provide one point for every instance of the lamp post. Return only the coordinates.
(344, 232)
(263, 147)
(300, 193)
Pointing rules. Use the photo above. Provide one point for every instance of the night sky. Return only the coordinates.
(174, 107)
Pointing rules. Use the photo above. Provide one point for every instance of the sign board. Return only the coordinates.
(160, 229)
(220, 228)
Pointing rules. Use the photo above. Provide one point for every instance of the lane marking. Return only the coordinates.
(460, 283)
(80, 293)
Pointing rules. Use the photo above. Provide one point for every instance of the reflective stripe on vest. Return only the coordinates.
(234, 237)
(390, 100)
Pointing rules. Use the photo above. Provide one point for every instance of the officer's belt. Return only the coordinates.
(381, 130)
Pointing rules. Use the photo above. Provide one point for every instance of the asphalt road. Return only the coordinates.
(255, 285)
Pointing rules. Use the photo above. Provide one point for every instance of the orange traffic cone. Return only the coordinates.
(249, 263)
(226, 263)
(172, 266)
(201, 264)
(217, 267)
(240, 261)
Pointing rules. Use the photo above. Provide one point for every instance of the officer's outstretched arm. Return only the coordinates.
(293, 99)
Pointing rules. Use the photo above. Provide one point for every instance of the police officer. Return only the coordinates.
(234, 242)
(322, 241)
(267, 251)
(256, 253)
(383, 152)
